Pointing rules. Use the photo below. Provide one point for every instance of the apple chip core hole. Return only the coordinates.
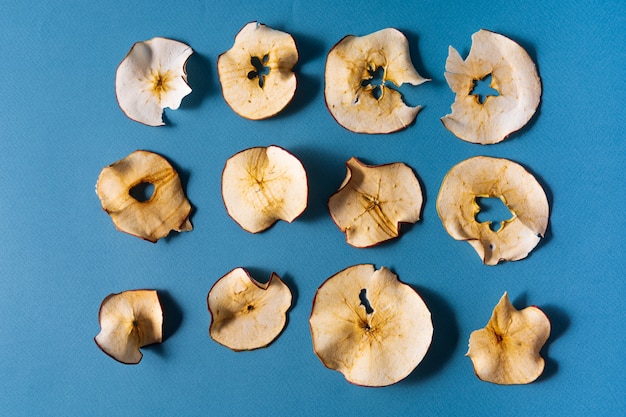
(482, 89)
(493, 210)
(376, 80)
(260, 69)
(365, 302)
(142, 192)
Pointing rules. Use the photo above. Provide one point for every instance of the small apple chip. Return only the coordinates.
(263, 185)
(129, 320)
(257, 72)
(373, 201)
(165, 210)
(368, 325)
(358, 77)
(521, 193)
(152, 77)
(513, 76)
(507, 350)
(246, 314)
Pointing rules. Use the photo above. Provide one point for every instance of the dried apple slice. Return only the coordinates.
(257, 72)
(263, 185)
(152, 77)
(487, 177)
(246, 314)
(351, 93)
(507, 350)
(513, 76)
(373, 201)
(167, 209)
(369, 326)
(128, 321)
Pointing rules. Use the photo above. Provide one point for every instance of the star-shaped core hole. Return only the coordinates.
(376, 81)
(494, 211)
(482, 89)
(261, 70)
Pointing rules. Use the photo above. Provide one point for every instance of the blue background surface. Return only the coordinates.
(60, 254)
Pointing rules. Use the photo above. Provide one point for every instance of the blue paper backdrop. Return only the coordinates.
(60, 254)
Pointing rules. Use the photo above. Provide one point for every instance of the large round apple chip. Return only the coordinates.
(246, 314)
(369, 326)
(373, 201)
(150, 219)
(263, 185)
(257, 72)
(152, 77)
(507, 350)
(360, 71)
(129, 320)
(513, 77)
(521, 193)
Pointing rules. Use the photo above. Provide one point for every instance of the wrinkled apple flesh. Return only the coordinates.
(369, 326)
(247, 314)
(129, 320)
(507, 350)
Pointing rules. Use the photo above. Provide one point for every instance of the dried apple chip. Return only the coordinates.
(167, 208)
(246, 314)
(152, 77)
(487, 177)
(257, 74)
(507, 350)
(128, 321)
(354, 95)
(369, 326)
(263, 185)
(373, 201)
(513, 76)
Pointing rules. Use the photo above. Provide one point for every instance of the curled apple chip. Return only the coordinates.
(257, 72)
(487, 177)
(358, 77)
(369, 326)
(373, 201)
(246, 314)
(152, 77)
(263, 185)
(151, 219)
(513, 76)
(507, 350)
(128, 321)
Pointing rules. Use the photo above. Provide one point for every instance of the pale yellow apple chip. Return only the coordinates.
(257, 72)
(487, 177)
(507, 350)
(373, 201)
(369, 326)
(246, 314)
(358, 77)
(167, 208)
(152, 77)
(513, 76)
(263, 185)
(129, 320)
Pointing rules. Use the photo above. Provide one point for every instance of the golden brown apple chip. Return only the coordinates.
(152, 77)
(487, 177)
(262, 185)
(355, 97)
(507, 350)
(167, 209)
(257, 72)
(513, 76)
(246, 314)
(129, 320)
(373, 201)
(369, 326)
